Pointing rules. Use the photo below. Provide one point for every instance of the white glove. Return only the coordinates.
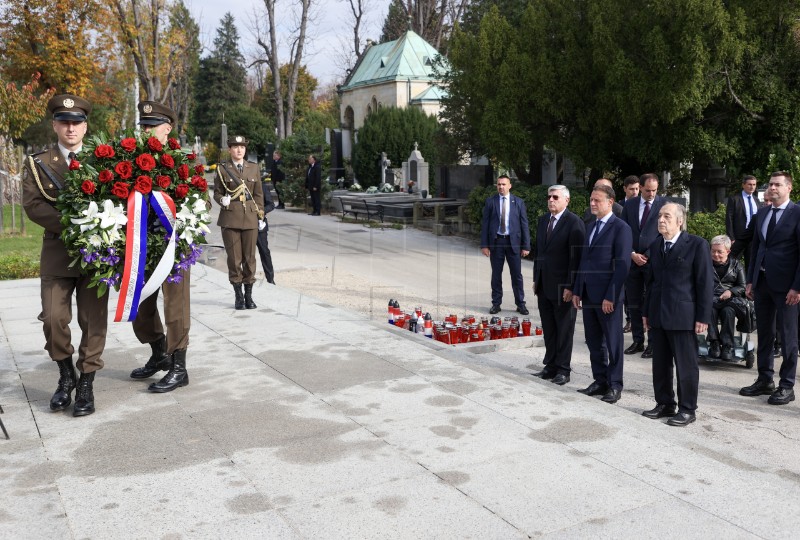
(226, 200)
(261, 225)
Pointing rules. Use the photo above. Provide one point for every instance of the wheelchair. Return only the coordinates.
(743, 346)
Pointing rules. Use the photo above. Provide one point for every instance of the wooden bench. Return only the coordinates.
(359, 205)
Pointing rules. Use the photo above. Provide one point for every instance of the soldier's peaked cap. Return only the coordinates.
(152, 113)
(237, 140)
(68, 107)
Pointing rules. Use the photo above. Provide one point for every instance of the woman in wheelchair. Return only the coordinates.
(729, 300)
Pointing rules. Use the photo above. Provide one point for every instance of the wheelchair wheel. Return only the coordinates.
(750, 359)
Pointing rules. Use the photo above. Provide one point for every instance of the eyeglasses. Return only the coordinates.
(554, 197)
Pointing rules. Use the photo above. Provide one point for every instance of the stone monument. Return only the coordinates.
(415, 174)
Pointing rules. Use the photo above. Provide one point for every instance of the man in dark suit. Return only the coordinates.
(588, 217)
(262, 243)
(680, 290)
(559, 238)
(739, 211)
(640, 213)
(506, 236)
(314, 184)
(773, 281)
(600, 285)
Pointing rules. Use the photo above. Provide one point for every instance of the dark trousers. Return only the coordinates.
(726, 316)
(558, 326)
(498, 255)
(604, 338)
(634, 292)
(315, 200)
(262, 243)
(771, 306)
(147, 325)
(678, 347)
(277, 186)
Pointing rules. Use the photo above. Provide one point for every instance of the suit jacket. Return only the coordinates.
(38, 198)
(644, 237)
(779, 254)
(736, 216)
(680, 286)
(518, 229)
(604, 264)
(314, 176)
(557, 259)
(239, 214)
(276, 174)
(588, 217)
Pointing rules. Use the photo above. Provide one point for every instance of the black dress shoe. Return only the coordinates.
(727, 353)
(560, 379)
(627, 328)
(612, 396)
(781, 396)
(682, 419)
(522, 310)
(758, 388)
(777, 351)
(637, 346)
(714, 350)
(648, 352)
(545, 374)
(660, 411)
(594, 389)
(494, 309)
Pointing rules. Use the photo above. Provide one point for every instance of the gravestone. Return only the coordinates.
(415, 173)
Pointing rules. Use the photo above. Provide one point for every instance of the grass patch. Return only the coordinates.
(19, 254)
(376, 225)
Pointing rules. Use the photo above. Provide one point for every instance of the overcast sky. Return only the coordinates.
(332, 24)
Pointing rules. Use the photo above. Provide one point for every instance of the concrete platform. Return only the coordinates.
(303, 420)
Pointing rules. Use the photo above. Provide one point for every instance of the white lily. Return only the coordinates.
(90, 216)
(112, 216)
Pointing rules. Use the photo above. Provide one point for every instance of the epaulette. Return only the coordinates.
(38, 153)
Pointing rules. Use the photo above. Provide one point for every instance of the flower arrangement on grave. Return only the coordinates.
(133, 209)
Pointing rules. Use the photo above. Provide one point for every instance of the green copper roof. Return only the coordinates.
(434, 93)
(409, 57)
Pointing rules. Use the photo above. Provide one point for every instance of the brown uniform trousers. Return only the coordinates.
(59, 281)
(147, 325)
(239, 220)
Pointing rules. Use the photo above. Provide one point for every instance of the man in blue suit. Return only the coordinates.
(505, 236)
(641, 215)
(680, 292)
(599, 287)
(773, 280)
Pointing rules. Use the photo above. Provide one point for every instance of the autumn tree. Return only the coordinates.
(306, 86)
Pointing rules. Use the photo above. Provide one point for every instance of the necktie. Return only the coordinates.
(645, 214)
(550, 227)
(667, 247)
(752, 209)
(773, 221)
(71, 156)
(597, 226)
(502, 215)
(240, 167)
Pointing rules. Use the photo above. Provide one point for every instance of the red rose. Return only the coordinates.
(120, 189)
(191, 157)
(183, 171)
(87, 187)
(163, 181)
(105, 176)
(146, 162)
(129, 144)
(199, 183)
(181, 190)
(167, 161)
(124, 169)
(173, 143)
(74, 165)
(104, 151)
(154, 144)
(199, 169)
(143, 184)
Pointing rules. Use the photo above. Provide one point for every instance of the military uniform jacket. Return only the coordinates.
(39, 195)
(246, 205)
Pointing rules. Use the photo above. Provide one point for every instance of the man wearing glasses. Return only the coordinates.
(505, 236)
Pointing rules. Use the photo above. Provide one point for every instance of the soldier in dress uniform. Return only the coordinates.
(237, 189)
(168, 351)
(42, 179)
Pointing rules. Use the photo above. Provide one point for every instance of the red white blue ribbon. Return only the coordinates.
(133, 290)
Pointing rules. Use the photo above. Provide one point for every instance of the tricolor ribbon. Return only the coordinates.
(133, 290)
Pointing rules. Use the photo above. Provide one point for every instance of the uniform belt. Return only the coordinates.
(51, 236)
(503, 235)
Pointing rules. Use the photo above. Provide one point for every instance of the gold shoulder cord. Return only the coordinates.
(32, 166)
(238, 192)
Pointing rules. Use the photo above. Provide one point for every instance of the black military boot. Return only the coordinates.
(237, 288)
(248, 296)
(175, 377)
(84, 397)
(158, 361)
(66, 384)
